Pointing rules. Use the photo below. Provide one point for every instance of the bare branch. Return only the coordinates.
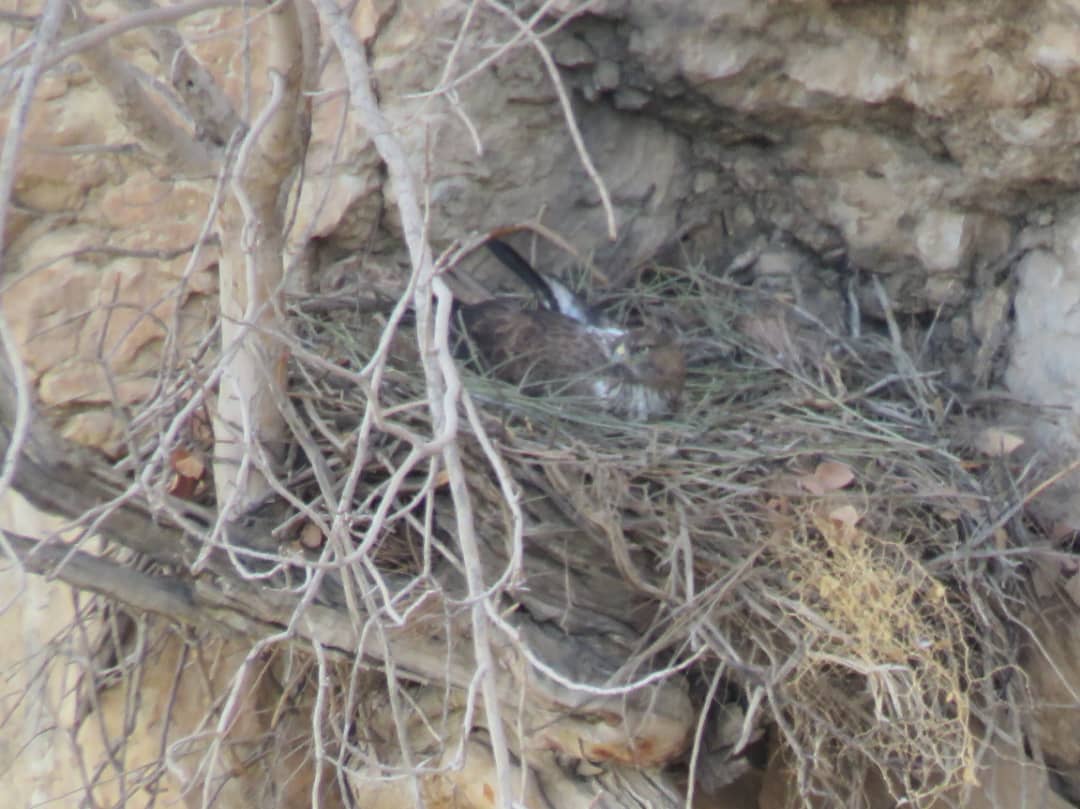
(156, 132)
(251, 225)
(24, 21)
(51, 21)
(448, 85)
(19, 433)
(568, 110)
(19, 402)
(101, 34)
(211, 109)
(442, 381)
(161, 595)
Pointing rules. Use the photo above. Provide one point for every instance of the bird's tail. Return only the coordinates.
(516, 263)
(554, 295)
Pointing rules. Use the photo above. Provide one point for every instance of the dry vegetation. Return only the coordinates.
(804, 548)
(804, 538)
(803, 564)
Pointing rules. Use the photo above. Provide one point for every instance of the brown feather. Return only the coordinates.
(636, 373)
(532, 347)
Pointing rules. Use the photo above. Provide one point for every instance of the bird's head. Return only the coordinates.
(652, 358)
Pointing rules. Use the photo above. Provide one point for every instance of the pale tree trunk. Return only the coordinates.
(249, 429)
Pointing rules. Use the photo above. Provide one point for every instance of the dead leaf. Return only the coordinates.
(845, 515)
(188, 465)
(837, 526)
(189, 471)
(829, 476)
(997, 443)
(182, 487)
(311, 537)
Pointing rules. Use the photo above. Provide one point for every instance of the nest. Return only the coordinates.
(804, 539)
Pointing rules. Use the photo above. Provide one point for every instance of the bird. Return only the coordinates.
(567, 347)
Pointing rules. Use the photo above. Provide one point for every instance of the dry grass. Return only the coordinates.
(794, 528)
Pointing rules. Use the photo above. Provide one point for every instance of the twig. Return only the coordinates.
(205, 100)
(51, 20)
(568, 111)
(362, 99)
(100, 34)
(699, 734)
(156, 132)
(20, 432)
(445, 85)
(159, 595)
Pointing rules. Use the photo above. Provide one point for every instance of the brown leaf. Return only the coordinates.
(997, 443)
(188, 465)
(189, 471)
(311, 537)
(829, 476)
(845, 515)
(182, 487)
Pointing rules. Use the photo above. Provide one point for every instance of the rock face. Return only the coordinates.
(925, 145)
(918, 142)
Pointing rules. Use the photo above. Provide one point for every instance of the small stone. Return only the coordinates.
(573, 52)
(630, 100)
(606, 76)
(990, 312)
(705, 181)
(95, 428)
(777, 262)
(943, 240)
